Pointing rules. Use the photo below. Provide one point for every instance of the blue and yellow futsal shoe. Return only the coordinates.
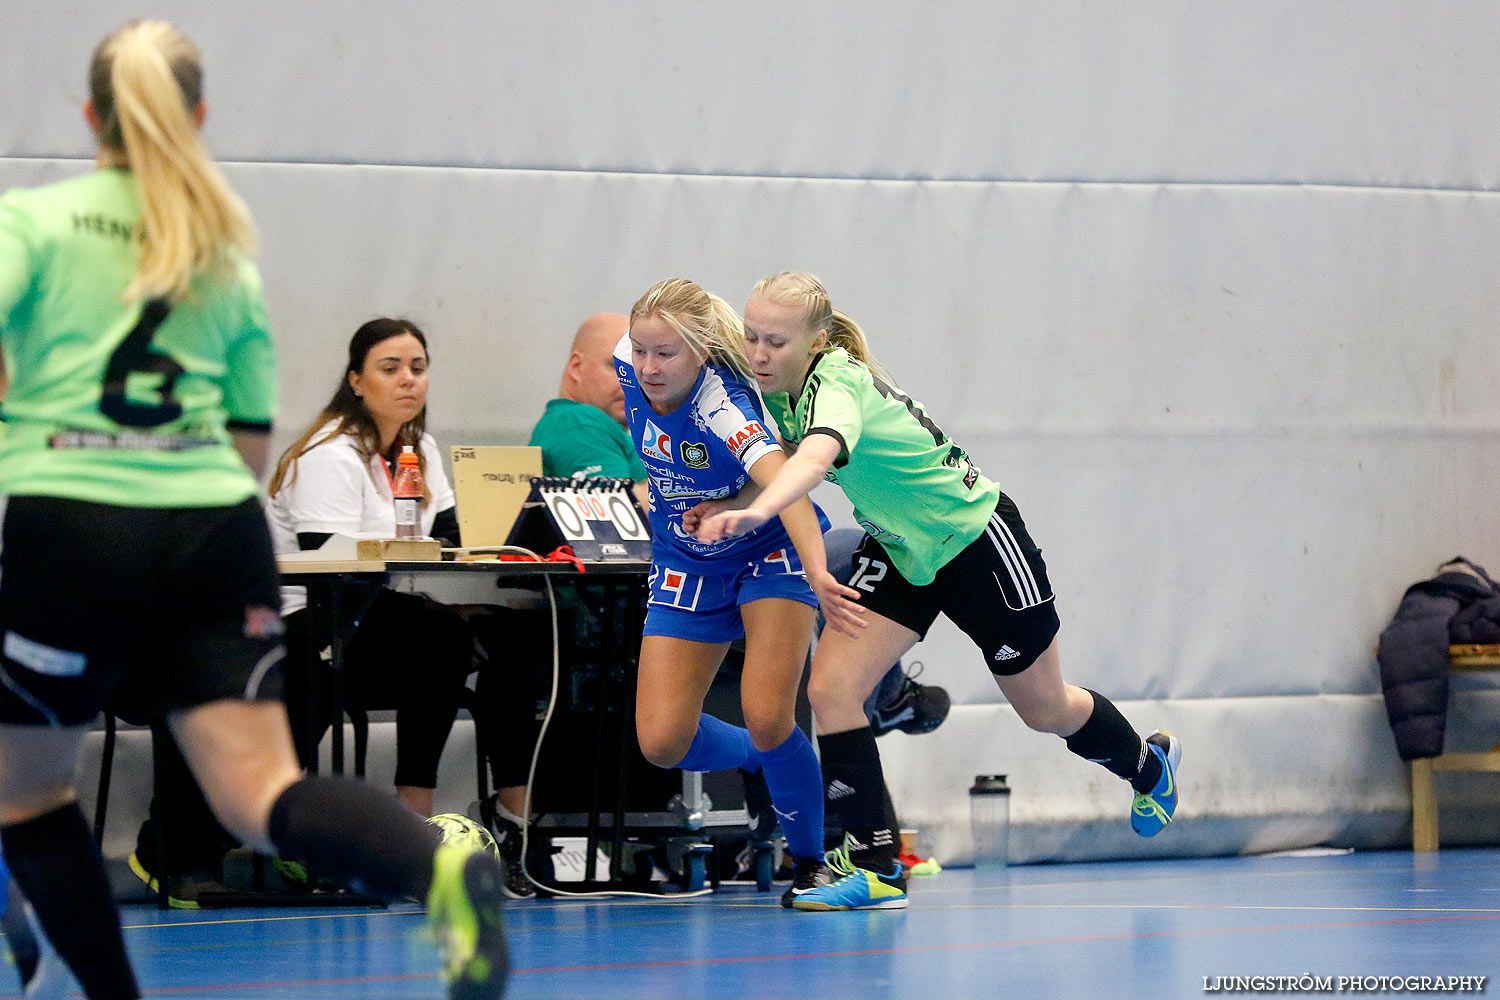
(463, 910)
(1153, 810)
(854, 888)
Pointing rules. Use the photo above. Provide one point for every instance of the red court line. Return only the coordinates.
(368, 980)
(992, 944)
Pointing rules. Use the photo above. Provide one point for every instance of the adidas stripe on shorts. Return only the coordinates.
(995, 590)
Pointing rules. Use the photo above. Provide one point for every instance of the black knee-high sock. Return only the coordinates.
(1106, 738)
(56, 863)
(833, 828)
(889, 815)
(349, 832)
(854, 789)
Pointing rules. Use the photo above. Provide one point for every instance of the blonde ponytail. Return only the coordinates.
(804, 292)
(146, 84)
(705, 322)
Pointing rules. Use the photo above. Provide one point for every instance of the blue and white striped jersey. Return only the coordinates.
(700, 451)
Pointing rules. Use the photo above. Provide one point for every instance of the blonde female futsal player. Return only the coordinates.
(940, 538)
(136, 562)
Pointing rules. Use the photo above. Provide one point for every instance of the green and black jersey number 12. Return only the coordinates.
(134, 356)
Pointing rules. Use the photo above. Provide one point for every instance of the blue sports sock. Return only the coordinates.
(718, 746)
(796, 783)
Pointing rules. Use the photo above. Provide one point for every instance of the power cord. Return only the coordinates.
(536, 754)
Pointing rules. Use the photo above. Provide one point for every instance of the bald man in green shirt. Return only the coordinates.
(582, 432)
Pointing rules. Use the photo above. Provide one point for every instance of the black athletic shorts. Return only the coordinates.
(144, 609)
(995, 590)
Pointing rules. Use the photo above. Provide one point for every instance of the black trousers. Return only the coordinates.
(513, 686)
(408, 653)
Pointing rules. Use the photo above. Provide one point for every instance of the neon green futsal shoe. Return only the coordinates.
(1153, 810)
(463, 910)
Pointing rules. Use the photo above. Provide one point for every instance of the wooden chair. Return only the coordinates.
(1424, 813)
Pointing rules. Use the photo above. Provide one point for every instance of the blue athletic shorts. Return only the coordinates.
(686, 604)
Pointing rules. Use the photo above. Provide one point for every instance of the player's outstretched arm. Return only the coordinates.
(840, 604)
(793, 481)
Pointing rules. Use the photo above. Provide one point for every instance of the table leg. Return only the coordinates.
(1424, 815)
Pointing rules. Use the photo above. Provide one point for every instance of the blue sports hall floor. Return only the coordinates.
(1192, 928)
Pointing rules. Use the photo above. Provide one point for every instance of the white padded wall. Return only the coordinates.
(1386, 93)
(1209, 289)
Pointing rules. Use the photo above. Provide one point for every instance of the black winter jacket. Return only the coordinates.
(1459, 605)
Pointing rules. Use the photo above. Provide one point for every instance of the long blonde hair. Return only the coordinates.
(804, 292)
(146, 83)
(705, 322)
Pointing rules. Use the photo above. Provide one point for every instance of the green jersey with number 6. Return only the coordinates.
(116, 402)
(912, 487)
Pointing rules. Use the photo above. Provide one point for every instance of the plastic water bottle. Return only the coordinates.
(989, 820)
(407, 489)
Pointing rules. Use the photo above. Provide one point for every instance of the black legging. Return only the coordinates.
(409, 654)
(513, 687)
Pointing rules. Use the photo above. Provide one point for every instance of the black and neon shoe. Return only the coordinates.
(295, 876)
(1154, 809)
(463, 910)
(182, 890)
(807, 874)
